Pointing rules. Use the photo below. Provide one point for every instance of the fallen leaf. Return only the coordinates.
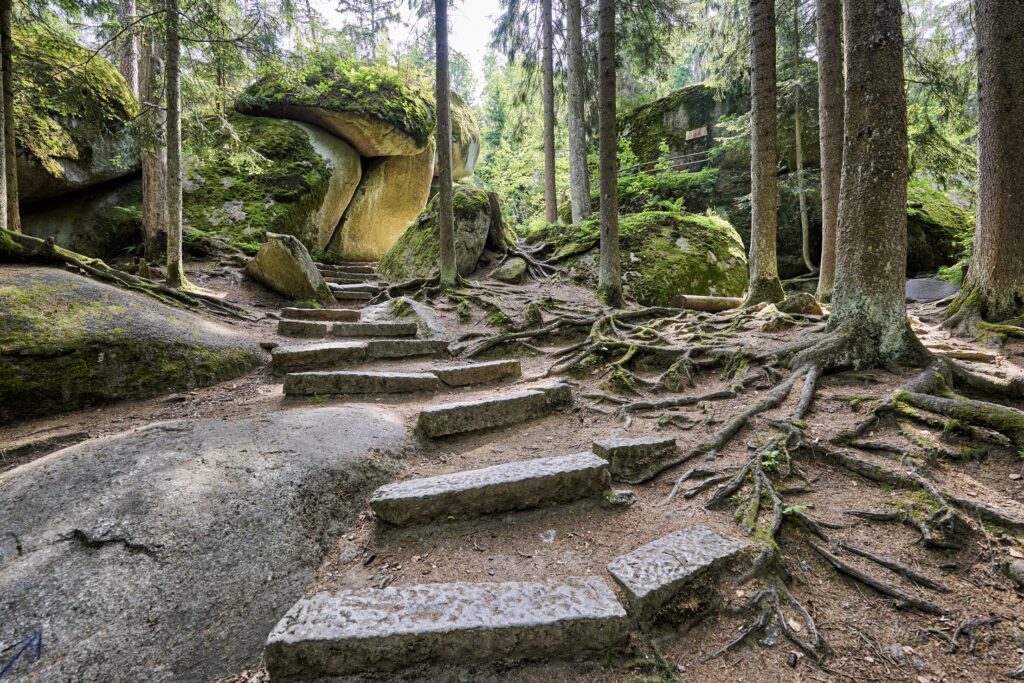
(795, 625)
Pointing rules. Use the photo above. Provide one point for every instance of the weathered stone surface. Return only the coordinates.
(346, 169)
(309, 329)
(317, 356)
(635, 460)
(404, 309)
(405, 348)
(344, 295)
(348, 269)
(323, 314)
(478, 373)
(925, 290)
(513, 486)
(802, 303)
(333, 634)
(168, 553)
(392, 194)
(512, 271)
(655, 573)
(68, 341)
(352, 279)
(284, 266)
(501, 410)
(374, 329)
(465, 139)
(1015, 571)
(342, 382)
(358, 286)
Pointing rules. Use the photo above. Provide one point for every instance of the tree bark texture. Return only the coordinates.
(550, 200)
(10, 144)
(830, 125)
(610, 271)
(579, 174)
(764, 157)
(154, 151)
(805, 230)
(175, 269)
(445, 199)
(994, 288)
(129, 46)
(3, 148)
(868, 302)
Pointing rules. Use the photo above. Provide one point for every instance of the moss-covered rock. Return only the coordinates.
(684, 120)
(664, 253)
(373, 107)
(417, 252)
(67, 341)
(465, 139)
(512, 271)
(938, 231)
(285, 266)
(72, 109)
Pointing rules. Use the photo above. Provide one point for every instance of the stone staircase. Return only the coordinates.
(384, 629)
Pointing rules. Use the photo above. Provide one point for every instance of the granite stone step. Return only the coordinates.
(478, 373)
(350, 268)
(637, 459)
(366, 630)
(374, 329)
(309, 329)
(316, 356)
(321, 314)
(405, 348)
(371, 287)
(497, 411)
(348, 382)
(352, 296)
(656, 573)
(512, 486)
(346, 282)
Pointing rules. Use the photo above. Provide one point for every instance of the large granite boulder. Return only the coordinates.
(67, 341)
(72, 110)
(392, 194)
(465, 139)
(169, 553)
(373, 107)
(664, 254)
(285, 266)
(938, 231)
(416, 254)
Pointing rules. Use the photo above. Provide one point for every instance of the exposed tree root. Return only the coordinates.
(968, 628)
(893, 565)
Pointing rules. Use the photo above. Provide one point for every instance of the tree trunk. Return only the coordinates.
(550, 201)
(175, 270)
(994, 288)
(154, 152)
(868, 305)
(805, 230)
(129, 46)
(3, 155)
(764, 155)
(610, 273)
(579, 175)
(10, 143)
(830, 125)
(445, 199)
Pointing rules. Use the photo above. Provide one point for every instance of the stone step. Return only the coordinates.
(310, 329)
(349, 268)
(497, 411)
(364, 630)
(513, 486)
(405, 348)
(375, 329)
(654, 574)
(638, 459)
(478, 373)
(314, 356)
(352, 296)
(352, 279)
(321, 314)
(371, 287)
(344, 382)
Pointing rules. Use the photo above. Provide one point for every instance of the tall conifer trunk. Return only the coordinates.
(610, 270)
(550, 201)
(764, 156)
(175, 269)
(805, 228)
(154, 151)
(445, 199)
(10, 143)
(128, 50)
(579, 174)
(830, 125)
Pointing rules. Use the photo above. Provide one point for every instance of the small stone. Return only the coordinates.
(801, 303)
(512, 271)
(618, 499)
(1014, 570)
(636, 460)
(269, 345)
(896, 652)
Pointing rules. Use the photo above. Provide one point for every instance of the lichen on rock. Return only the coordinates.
(283, 264)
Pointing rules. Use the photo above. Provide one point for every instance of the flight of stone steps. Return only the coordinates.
(384, 629)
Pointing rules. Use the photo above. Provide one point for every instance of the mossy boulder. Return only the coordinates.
(261, 175)
(465, 139)
(684, 120)
(285, 266)
(664, 253)
(417, 252)
(938, 231)
(102, 221)
(511, 271)
(373, 107)
(72, 114)
(392, 193)
(67, 342)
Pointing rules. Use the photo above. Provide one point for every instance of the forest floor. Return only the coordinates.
(872, 637)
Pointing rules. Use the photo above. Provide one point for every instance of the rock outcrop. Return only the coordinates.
(285, 266)
(67, 341)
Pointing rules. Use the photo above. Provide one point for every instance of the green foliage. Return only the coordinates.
(939, 233)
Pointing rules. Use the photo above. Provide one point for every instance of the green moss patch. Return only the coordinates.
(939, 232)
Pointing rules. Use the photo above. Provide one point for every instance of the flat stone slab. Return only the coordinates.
(498, 411)
(378, 329)
(360, 286)
(405, 348)
(513, 486)
(352, 296)
(310, 329)
(314, 356)
(344, 382)
(478, 373)
(925, 290)
(348, 632)
(321, 314)
(655, 573)
(638, 459)
(348, 268)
